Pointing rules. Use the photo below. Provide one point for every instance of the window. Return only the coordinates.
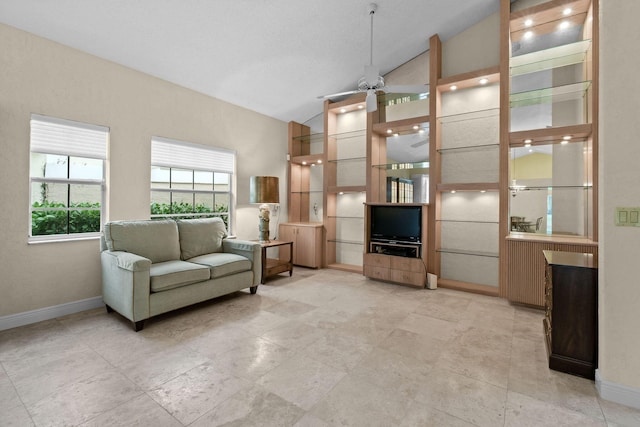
(190, 181)
(66, 178)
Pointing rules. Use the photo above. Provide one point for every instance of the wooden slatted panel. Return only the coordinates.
(525, 275)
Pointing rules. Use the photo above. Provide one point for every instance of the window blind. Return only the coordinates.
(51, 135)
(178, 154)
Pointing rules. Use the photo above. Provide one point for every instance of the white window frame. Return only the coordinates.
(67, 138)
(175, 154)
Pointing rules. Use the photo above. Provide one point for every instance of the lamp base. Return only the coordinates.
(263, 225)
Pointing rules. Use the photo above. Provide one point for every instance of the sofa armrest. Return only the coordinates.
(126, 283)
(248, 249)
(131, 262)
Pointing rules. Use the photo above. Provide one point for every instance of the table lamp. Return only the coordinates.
(264, 190)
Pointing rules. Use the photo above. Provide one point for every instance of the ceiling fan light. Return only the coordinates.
(371, 101)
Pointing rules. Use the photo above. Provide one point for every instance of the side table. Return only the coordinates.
(272, 266)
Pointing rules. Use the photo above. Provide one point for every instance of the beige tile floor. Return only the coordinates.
(321, 348)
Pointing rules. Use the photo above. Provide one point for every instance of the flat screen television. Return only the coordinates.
(396, 223)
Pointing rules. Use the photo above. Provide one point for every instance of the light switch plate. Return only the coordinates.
(628, 217)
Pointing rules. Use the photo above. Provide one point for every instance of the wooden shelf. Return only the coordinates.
(546, 17)
(308, 160)
(469, 79)
(349, 104)
(550, 135)
(401, 126)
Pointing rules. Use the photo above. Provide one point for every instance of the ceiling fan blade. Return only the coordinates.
(335, 95)
(407, 89)
(371, 101)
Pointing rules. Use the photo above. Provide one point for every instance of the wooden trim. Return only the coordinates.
(469, 79)
(473, 186)
(533, 237)
(505, 125)
(433, 235)
(595, 116)
(468, 287)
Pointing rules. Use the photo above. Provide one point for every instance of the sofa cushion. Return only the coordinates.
(156, 240)
(223, 264)
(173, 274)
(201, 236)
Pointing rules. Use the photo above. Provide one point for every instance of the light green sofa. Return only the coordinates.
(151, 267)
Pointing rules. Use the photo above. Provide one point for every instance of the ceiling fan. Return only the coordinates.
(372, 81)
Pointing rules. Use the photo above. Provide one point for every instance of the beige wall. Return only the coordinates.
(619, 271)
(531, 166)
(476, 48)
(39, 76)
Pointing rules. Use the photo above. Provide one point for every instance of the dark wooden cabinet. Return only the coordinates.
(571, 312)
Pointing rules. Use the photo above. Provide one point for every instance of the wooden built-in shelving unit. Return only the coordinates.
(470, 204)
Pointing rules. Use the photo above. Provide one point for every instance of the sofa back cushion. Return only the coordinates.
(156, 240)
(201, 236)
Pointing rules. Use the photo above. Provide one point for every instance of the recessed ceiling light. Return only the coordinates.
(528, 23)
(484, 81)
(360, 107)
(395, 134)
(564, 25)
(319, 161)
(527, 145)
(528, 141)
(483, 191)
(389, 130)
(567, 11)
(313, 164)
(528, 34)
(566, 137)
(453, 87)
(453, 191)
(416, 127)
(564, 142)
(304, 163)
(421, 131)
(341, 193)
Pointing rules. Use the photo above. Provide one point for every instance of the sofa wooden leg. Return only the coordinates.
(137, 326)
(253, 289)
(109, 309)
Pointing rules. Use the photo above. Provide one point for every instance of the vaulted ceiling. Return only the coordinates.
(274, 57)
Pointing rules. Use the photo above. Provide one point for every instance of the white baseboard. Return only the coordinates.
(618, 393)
(47, 313)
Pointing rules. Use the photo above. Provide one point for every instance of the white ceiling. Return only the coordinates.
(274, 57)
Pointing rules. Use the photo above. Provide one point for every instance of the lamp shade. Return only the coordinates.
(264, 189)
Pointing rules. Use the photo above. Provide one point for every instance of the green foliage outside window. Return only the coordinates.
(54, 221)
(177, 208)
